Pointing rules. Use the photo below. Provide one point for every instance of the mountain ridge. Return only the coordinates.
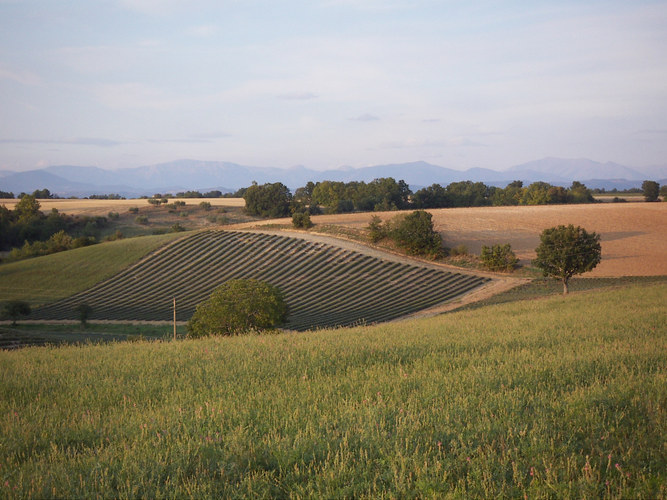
(188, 174)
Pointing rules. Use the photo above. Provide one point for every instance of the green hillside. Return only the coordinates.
(45, 279)
(554, 398)
(324, 286)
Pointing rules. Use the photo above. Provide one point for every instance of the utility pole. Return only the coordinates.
(174, 318)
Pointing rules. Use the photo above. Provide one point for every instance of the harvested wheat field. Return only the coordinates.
(634, 235)
(94, 208)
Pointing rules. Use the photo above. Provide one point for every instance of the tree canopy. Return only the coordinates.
(567, 250)
(268, 200)
(239, 306)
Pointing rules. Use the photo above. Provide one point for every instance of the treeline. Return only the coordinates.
(42, 194)
(276, 200)
(35, 233)
(196, 194)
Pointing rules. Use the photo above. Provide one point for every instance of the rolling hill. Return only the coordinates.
(325, 286)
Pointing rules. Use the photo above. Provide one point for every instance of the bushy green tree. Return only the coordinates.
(434, 196)
(15, 309)
(268, 200)
(567, 250)
(498, 257)
(301, 220)
(237, 307)
(376, 230)
(415, 234)
(651, 190)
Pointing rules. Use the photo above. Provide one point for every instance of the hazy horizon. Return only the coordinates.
(331, 83)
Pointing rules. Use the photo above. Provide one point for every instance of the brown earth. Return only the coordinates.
(634, 235)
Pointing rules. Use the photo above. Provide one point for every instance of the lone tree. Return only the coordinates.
(567, 250)
(651, 190)
(239, 306)
(84, 311)
(15, 309)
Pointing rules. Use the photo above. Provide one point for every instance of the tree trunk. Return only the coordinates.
(565, 289)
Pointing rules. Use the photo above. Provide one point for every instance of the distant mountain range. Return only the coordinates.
(184, 175)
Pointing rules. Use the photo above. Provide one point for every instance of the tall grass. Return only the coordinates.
(562, 397)
(52, 277)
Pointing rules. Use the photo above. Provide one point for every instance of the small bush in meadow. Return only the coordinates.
(141, 219)
(301, 220)
(499, 257)
(458, 251)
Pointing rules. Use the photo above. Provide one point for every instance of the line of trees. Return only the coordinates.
(26, 225)
(384, 194)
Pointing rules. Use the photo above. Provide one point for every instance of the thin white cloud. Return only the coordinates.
(366, 117)
(297, 96)
(80, 141)
(23, 77)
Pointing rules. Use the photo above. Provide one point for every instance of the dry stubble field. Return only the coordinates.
(94, 208)
(634, 235)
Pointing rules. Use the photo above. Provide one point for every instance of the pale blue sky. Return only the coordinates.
(122, 83)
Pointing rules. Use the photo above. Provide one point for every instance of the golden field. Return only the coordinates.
(94, 208)
(634, 235)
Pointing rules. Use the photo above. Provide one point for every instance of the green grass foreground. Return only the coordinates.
(44, 279)
(560, 397)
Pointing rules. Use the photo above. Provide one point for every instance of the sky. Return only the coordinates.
(331, 83)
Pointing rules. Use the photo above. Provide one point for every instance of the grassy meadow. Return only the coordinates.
(558, 397)
(44, 279)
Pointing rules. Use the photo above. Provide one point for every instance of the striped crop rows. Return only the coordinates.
(324, 285)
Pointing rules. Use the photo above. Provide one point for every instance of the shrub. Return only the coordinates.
(301, 220)
(141, 219)
(239, 306)
(113, 215)
(176, 228)
(499, 257)
(205, 205)
(376, 231)
(134, 210)
(459, 250)
(415, 234)
(84, 311)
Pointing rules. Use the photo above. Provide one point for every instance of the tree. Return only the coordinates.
(301, 220)
(268, 200)
(27, 208)
(15, 309)
(84, 311)
(567, 250)
(651, 190)
(239, 306)
(499, 257)
(415, 234)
